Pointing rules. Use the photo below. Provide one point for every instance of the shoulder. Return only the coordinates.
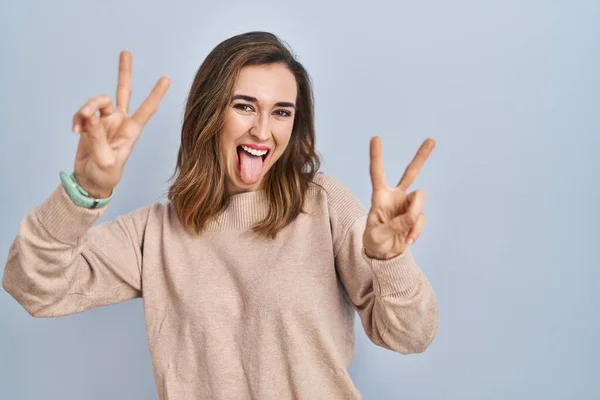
(327, 182)
(341, 202)
(149, 217)
(336, 192)
(330, 185)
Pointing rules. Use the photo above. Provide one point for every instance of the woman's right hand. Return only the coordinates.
(108, 134)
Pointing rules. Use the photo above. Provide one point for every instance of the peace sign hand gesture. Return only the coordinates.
(395, 219)
(107, 135)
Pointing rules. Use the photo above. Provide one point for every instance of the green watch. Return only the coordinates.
(79, 195)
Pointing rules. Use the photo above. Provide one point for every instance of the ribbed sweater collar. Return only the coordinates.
(242, 211)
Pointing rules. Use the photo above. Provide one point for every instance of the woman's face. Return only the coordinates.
(258, 124)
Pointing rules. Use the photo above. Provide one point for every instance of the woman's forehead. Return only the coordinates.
(267, 83)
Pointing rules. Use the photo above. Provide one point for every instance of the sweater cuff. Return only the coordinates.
(63, 219)
(395, 276)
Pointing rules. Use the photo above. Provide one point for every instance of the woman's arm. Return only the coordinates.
(395, 301)
(59, 263)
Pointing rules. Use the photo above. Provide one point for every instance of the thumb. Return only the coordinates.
(402, 224)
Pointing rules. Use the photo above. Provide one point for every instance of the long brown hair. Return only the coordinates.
(198, 192)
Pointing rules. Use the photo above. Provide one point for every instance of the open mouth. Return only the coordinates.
(250, 160)
(253, 151)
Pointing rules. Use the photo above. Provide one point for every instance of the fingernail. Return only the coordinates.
(410, 241)
(76, 128)
(85, 110)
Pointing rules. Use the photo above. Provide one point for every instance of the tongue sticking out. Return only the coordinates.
(250, 167)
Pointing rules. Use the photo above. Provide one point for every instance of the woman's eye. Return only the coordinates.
(243, 107)
(283, 113)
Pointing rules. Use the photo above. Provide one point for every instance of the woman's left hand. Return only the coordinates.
(395, 219)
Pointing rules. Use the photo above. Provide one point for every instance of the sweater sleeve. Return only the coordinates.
(61, 264)
(393, 298)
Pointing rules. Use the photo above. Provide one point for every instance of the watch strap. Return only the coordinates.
(79, 195)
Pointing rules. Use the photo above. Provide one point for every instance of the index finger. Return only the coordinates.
(124, 83)
(414, 168)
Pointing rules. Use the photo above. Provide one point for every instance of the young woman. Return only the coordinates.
(251, 272)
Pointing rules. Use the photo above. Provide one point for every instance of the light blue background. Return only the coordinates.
(509, 89)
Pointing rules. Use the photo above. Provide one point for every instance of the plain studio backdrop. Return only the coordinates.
(509, 89)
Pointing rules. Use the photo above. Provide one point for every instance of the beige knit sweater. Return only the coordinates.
(230, 315)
